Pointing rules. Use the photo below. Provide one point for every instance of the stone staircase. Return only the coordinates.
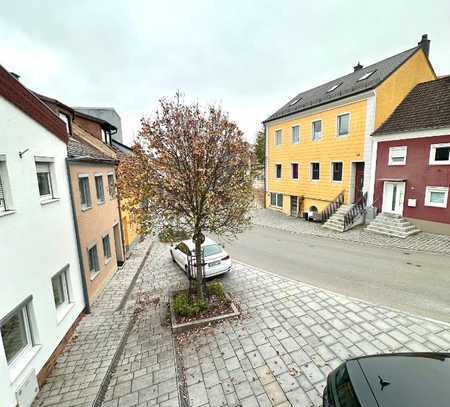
(336, 221)
(392, 225)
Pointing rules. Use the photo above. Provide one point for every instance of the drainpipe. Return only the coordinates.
(122, 239)
(77, 235)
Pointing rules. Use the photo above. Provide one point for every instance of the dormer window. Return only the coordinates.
(366, 75)
(334, 87)
(296, 100)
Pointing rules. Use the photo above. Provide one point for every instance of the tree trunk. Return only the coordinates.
(198, 263)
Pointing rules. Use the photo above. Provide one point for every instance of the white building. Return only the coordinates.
(42, 293)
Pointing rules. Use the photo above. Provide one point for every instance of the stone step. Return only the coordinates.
(392, 225)
(391, 232)
(404, 228)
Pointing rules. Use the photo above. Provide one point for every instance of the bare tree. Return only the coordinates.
(190, 171)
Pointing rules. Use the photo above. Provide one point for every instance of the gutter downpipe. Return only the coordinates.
(77, 235)
(122, 238)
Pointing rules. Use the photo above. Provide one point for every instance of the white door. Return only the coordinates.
(393, 197)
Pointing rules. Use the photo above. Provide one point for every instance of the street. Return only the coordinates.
(410, 281)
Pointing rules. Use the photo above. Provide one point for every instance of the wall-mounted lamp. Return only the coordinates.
(21, 153)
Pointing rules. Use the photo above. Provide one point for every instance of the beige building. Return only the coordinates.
(92, 178)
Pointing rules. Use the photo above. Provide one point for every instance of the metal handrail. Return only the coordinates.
(332, 207)
(359, 208)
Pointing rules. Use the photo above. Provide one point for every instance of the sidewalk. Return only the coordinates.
(427, 242)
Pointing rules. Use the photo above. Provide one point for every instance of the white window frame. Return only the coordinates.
(93, 272)
(337, 124)
(6, 201)
(100, 200)
(292, 171)
(311, 171)
(40, 163)
(312, 130)
(63, 273)
(111, 191)
(292, 134)
(107, 259)
(429, 190)
(25, 309)
(277, 194)
(281, 170)
(85, 206)
(433, 148)
(280, 132)
(332, 172)
(392, 150)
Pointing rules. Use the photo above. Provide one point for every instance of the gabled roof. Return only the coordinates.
(348, 85)
(17, 94)
(427, 106)
(80, 150)
(121, 148)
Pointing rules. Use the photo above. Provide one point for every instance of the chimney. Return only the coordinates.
(357, 67)
(15, 75)
(425, 44)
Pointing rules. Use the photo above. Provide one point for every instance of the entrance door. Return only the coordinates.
(294, 206)
(393, 197)
(359, 181)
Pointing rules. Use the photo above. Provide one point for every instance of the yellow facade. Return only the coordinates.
(130, 234)
(348, 149)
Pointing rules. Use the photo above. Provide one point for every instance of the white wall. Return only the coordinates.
(35, 242)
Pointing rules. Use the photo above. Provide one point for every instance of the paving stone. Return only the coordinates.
(197, 395)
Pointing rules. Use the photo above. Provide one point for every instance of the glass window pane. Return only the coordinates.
(442, 154)
(14, 335)
(273, 199)
(280, 200)
(337, 171)
(44, 183)
(343, 124)
(437, 197)
(211, 250)
(58, 289)
(99, 188)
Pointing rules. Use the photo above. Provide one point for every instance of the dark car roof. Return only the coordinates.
(349, 84)
(415, 379)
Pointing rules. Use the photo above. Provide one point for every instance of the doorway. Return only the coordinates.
(393, 197)
(359, 181)
(294, 206)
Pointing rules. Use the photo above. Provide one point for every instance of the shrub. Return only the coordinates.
(182, 307)
(168, 235)
(216, 288)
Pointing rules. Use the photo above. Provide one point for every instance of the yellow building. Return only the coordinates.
(318, 145)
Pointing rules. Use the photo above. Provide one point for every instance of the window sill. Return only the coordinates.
(396, 165)
(85, 208)
(441, 206)
(315, 180)
(6, 213)
(108, 260)
(342, 135)
(94, 276)
(63, 310)
(18, 366)
(49, 201)
(295, 179)
(100, 202)
(336, 182)
(440, 163)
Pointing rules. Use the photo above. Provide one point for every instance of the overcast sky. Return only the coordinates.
(248, 56)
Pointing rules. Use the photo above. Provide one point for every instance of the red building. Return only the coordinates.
(412, 153)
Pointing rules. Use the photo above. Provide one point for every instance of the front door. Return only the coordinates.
(294, 205)
(359, 181)
(393, 197)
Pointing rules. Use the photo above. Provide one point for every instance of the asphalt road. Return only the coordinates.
(418, 283)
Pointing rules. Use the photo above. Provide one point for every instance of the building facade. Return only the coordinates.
(42, 298)
(318, 145)
(412, 155)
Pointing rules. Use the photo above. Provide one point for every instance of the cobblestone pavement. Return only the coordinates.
(290, 336)
(78, 374)
(428, 242)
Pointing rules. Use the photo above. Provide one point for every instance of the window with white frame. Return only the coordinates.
(342, 123)
(106, 247)
(440, 154)
(336, 171)
(60, 288)
(111, 186)
(315, 171)
(276, 199)
(316, 130)
(278, 137)
(99, 188)
(294, 170)
(85, 192)
(94, 266)
(16, 331)
(436, 196)
(278, 171)
(5, 201)
(295, 134)
(397, 155)
(45, 181)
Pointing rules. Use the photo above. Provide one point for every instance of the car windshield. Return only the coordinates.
(211, 250)
(344, 389)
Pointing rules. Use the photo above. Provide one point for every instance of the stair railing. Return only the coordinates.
(332, 207)
(358, 209)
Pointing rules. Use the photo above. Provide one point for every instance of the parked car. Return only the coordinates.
(217, 260)
(390, 380)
